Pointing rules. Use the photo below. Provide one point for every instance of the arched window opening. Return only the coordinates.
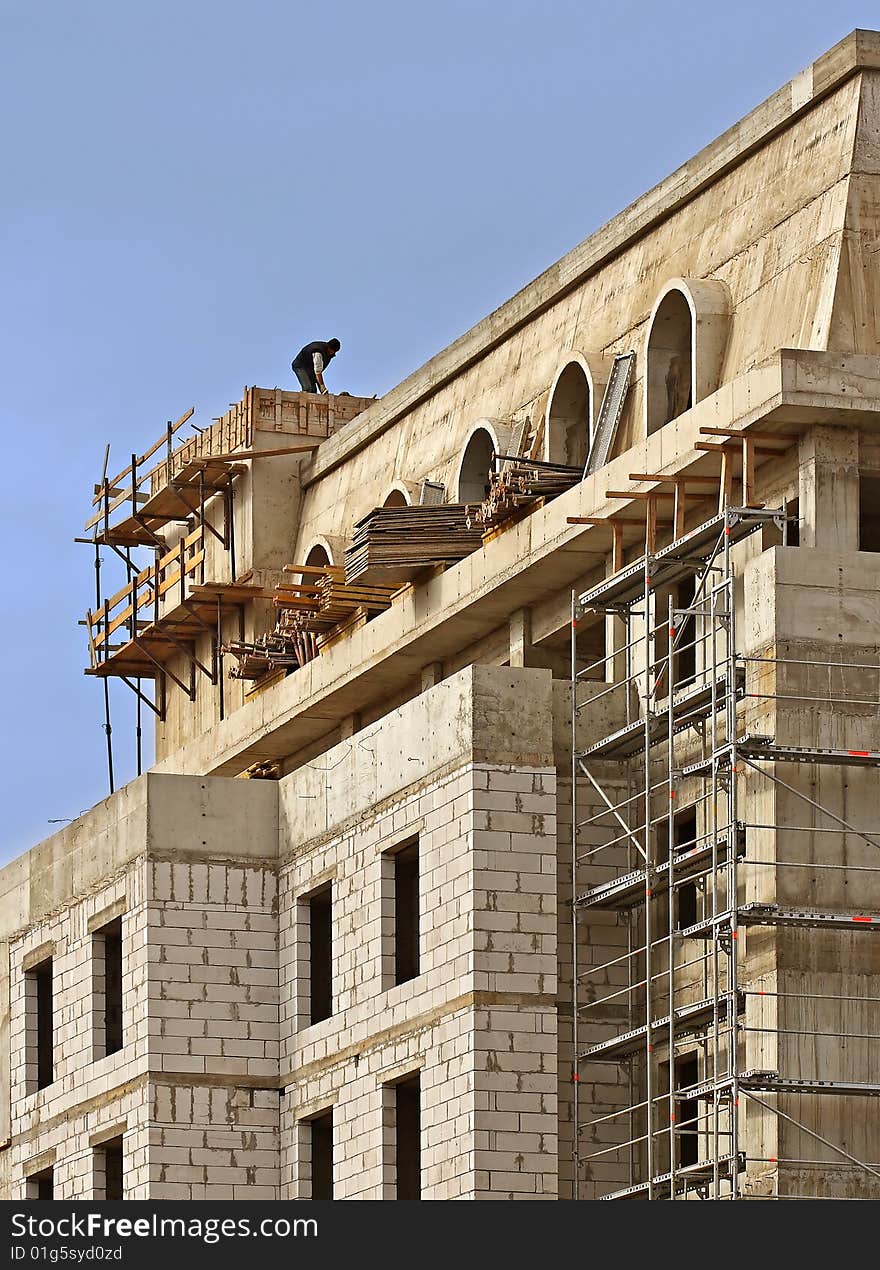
(396, 498)
(318, 557)
(670, 364)
(473, 476)
(569, 417)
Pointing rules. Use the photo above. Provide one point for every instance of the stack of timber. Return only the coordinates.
(393, 545)
(312, 612)
(326, 599)
(329, 597)
(519, 485)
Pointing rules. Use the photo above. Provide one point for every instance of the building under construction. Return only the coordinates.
(514, 825)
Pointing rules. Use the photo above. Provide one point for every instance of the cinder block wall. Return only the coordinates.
(57, 1124)
(479, 1020)
(213, 1030)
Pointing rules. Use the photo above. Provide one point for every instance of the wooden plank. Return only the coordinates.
(119, 620)
(124, 497)
(684, 478)
(93, 652)
(748, 471)
(99, 489)
(651, 526)
(739, 433)
(157, 445)
(644, 497)
(262, 454)
(174, 553)
(724, 489)
(678, 514)
(312, 569)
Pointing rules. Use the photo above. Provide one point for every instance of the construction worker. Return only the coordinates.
(311, 362)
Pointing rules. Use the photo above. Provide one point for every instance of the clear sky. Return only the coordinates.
(194, 188)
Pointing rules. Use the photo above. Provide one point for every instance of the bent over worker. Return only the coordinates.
(311, 362)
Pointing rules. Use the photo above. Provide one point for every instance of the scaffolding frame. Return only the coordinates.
(164, 608)
(678, 989)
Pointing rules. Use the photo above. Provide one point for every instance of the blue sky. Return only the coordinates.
(194, 189)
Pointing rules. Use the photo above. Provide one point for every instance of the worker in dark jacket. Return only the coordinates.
(311, 362)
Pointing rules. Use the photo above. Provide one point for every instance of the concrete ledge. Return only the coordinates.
(172, 817)
(465, 719)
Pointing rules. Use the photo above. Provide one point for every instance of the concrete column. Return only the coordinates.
(521, 638)
(828, 488)
(431, 675)
(348, 726)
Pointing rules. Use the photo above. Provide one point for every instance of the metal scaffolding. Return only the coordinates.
(668, 871)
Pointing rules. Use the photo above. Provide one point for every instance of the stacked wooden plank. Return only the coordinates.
(311, 613)
(517, 486)
(392, 545)
(325, 599)
(337, 599)
(298, 600)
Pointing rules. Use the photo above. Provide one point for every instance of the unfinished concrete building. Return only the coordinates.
(513, 830)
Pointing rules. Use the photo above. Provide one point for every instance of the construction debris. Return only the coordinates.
(393, 545)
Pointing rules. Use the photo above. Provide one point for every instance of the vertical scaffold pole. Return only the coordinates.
(139, 730)
(670, 876)
(575, 1115)
(108, 730)
(649, 996)
(716, 595)
(732, 879)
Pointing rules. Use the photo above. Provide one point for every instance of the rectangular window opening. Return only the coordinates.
(40, 1186)
(684, 832)
(40, 1059)
(406, 913)
(869, 513)
(407, 1137)
(685, 837)
(685, 655)
(320, 955)
(107, 988)
(687, 1074)
(108, 1165)
(320, 1133)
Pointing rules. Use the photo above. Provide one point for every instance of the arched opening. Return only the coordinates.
(396, 498)
(318, 557)
(569, 416)
(473, 475)
(669, 385)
